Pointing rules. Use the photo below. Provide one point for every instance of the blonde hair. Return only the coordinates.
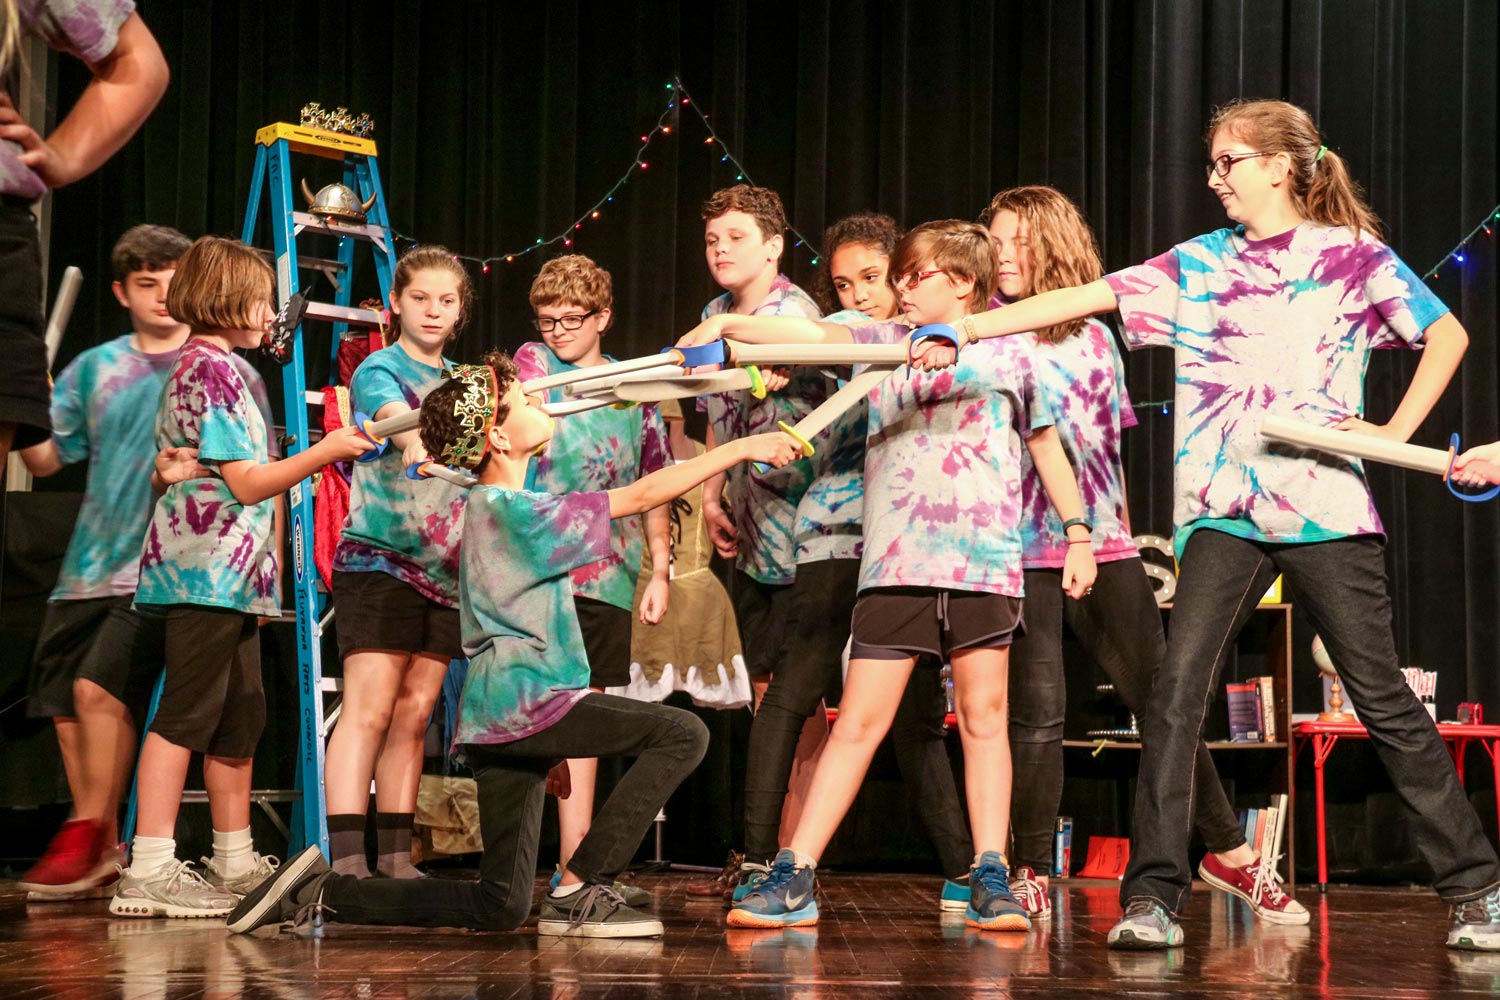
(217, 284)
(575, 279)
(10, 36)
(1321, 187)
(432, 257)
(1062, 247)
(961, 248)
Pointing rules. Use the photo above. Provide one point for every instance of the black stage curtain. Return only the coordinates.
(499, 123)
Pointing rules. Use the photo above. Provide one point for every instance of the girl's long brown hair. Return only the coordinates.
(1063, 251)
(1321, 189)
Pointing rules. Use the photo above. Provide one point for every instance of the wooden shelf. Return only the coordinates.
(1131, 745)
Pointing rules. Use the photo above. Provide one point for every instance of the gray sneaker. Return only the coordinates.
(1476, 924)
(595, 911)
(1146, 926)
(264, 868)
(173, 890)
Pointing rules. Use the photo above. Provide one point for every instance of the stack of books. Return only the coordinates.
(1252, 711)
(1264, 828)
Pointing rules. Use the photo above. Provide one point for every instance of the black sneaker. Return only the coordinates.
(594, 911)
(275, 899)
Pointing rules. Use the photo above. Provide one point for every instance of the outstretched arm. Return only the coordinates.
(666, 485)
(765, 330)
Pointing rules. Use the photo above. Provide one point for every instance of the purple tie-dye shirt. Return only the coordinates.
(1083, 381)
(527, 665)
(764, 504)
(398, 526)
(88, 29)
(599, 450)
(1280, 327)
(203, 546)
(943, 467)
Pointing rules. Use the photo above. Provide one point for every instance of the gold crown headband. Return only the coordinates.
(475, 412)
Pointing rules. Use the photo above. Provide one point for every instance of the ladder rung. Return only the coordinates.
(256, 795)
(333, 684)
(360, 230)
(309, 263)
(343, 314)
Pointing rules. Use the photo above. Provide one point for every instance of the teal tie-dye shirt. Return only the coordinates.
(764, 504)
(527, 665)
(406, 528)
(104, 410)
(1276, 327)
(599, 450)
(203, 546)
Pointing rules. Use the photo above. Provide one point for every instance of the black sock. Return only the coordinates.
(393, 844)
(346, 843)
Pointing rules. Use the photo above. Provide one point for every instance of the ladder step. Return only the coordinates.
(342, 314)
(256, 795)
(332, 684)
(305, 221)
(308, 263)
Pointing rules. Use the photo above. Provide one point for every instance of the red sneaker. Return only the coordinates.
(1262, 890)
(1031, 894)
(72, 862)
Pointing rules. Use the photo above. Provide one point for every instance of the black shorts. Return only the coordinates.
(606, 640)
(893, 623)
(377, 611)
(25, 393)
(764, 614)
(212, 702)
(99, 639)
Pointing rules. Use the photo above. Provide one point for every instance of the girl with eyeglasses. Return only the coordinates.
(1277, 316)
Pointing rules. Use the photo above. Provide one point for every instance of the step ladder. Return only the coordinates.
(311, 612)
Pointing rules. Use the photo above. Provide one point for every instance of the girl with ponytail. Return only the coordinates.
(1277, 315)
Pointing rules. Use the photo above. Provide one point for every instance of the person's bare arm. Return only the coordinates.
(665, 485)
(254, 482)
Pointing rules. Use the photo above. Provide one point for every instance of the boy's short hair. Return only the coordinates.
(760, 203)
(218, 282)
(572, 278)
(147, 248)
(960, 248)
(441, 427)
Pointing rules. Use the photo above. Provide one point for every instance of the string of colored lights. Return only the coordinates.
(1460, 253)
(677, 98)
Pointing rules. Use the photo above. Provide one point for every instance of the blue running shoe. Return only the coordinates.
(992, 906)
(751, 875)
(955, 896)
(1146, 926)
(783, 898)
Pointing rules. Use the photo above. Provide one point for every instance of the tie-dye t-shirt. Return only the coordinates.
(203, 546)
(830, 514)
(943, 467)
(764, 504)
(104, 409)
(90, 30)
(1279, 327)
(599, 450)
(408, 529)
(1083, 381)
(527, 665)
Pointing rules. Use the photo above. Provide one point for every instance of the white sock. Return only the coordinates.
(805, 860)
(148, 854)
(234, 852)
(564, 891)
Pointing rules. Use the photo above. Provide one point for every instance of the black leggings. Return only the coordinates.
(1119, 626)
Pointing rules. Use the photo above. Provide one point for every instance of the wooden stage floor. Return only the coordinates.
(881, 936)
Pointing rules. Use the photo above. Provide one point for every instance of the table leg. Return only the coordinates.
(1322, 747)
(1460, 750)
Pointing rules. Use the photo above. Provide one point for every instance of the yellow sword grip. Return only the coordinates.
(757, 384)
(807, 448)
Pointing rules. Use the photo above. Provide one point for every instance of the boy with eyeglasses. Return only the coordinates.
(596, 450)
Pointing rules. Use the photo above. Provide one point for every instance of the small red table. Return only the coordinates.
(1325, 735)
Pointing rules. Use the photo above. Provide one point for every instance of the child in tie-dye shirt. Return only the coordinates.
(596, 450)
(97, 655)
(1278, 316)
(208, 560)
(395, 579)
(941, 571)
(1042, 242)
(526, 702)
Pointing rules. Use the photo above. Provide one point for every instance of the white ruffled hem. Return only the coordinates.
(713, 687)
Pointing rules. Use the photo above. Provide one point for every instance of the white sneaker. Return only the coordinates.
(240, 884)
(173, 890)
(1476, 924)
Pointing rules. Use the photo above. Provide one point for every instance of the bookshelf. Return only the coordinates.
(1100, 773)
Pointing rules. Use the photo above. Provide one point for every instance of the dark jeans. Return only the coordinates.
(822, 604)
(667, 744)
(1341, 586)
(1119, 626)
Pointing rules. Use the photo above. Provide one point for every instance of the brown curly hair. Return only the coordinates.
(439, 427)
(573, 279)
(1063, 251)
(875, 230)
(760, 203)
